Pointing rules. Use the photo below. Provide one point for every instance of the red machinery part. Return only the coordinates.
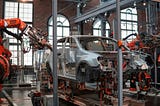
(12, 23)
(4, 68)
(144, 77)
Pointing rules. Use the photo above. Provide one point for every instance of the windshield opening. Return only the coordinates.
(96, 44)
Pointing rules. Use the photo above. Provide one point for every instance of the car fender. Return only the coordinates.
(89, 58)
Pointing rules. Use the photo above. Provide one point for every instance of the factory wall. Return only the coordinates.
(141, 20)
(43, 11)
(1, 8)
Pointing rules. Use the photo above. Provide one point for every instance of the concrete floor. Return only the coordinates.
(19, 95)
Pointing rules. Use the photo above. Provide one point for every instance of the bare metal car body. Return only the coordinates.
(78, 56)
(86, 58)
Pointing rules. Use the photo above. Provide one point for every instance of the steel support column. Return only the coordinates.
(54, 73)
(150, 29)
(80, 24)
(120, 73)
(103, 25)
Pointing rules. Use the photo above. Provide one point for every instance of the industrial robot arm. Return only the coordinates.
(37, 40)
(136, 43)
(36, 37)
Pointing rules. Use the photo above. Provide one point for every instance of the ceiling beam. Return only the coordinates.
(77, 1)
(156, 0)
(72, 0)
(106, 6)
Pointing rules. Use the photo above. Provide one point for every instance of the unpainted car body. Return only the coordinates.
(86, 58)
(80, 56)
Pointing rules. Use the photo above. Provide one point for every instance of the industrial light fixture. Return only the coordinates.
(85, 21)
(89, 19)
(84, 5)
(78, 5)
(134, 4)
(144, 3)
(107, 14)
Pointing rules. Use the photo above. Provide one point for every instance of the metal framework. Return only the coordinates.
(106, 6)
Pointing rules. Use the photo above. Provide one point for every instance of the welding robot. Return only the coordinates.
(140, 74)
(37, 40)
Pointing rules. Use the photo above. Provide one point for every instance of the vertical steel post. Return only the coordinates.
(103, 27)
(22, 64)
(155, 67)
(79, 12)
(54, 73)
(149, 15)
(120, 74)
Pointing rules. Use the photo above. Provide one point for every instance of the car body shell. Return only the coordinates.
(76, 61)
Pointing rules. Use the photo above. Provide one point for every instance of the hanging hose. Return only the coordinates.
(134, 34)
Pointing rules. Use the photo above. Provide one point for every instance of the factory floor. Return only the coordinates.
(16, 92)
(18, 95)
(18, 98)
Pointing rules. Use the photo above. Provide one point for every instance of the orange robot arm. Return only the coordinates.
(12, 23)
(5, 54)
(37, 38)
(135, 43)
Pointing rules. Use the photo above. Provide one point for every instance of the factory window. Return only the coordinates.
(63, 27)
(24, 11)
(128, 21)
(97, 28)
